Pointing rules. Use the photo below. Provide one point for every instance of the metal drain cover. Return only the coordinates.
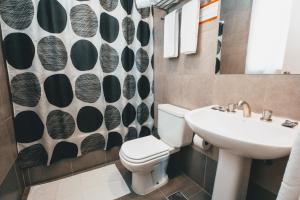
(177, 196)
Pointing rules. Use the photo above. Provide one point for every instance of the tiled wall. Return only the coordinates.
(12, 187)
(68, 167)
(189, 81)
(11, 180)
(198, 166)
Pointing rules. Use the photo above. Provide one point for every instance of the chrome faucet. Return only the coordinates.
(246, 108)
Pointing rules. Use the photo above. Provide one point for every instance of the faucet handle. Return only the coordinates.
(267, 115)
(232, 107)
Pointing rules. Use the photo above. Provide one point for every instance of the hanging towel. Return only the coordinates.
(171, 33)
(190, 27)
(290, 187)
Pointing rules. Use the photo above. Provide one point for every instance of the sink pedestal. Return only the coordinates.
(232, 177)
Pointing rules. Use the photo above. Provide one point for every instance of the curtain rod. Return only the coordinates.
(166, 4)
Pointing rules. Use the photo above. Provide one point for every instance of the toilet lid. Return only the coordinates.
(145, 148)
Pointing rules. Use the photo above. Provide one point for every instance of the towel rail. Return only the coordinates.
(166, 4)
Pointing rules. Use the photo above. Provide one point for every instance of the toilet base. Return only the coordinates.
(146, 182)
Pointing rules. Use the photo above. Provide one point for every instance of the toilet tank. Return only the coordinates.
(172, 127)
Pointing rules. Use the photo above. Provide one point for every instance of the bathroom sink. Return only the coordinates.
(249, 137)
(240, 140)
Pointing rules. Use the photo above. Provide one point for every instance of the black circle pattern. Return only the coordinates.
(152, 61)
(58, 90)
(52, 53)
(129, 87)
(132, 134)
(89, 119)
(109, 27)
(84, 20)
(144, 12)
(145, 131)
(26, 89)
(128, 30)
(142, 113)
(64, 150)
(143, 87)
(142, 60)
(28, 127)
(88, 88)
(152, 111)
(109, 5)
(111, 88)
(127, 5)
(19, 50)
(128, 114)
(143, 33)
(34, 155)
(57, 71)
(60, 125)
(92, 143)
(114, 140)
(84, 55)
(109, 58)
(127, 59)
(218, 65)
(112, 117)
(52, 16)
(20, 17)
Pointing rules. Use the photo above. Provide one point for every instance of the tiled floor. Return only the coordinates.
(178, 182)
(105, 182)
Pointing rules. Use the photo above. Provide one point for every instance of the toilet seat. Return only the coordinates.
(144, 150)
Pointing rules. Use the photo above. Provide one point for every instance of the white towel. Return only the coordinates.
(290, 187)
(190, 27)
(171, 33)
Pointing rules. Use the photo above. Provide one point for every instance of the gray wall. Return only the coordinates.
(189, 81)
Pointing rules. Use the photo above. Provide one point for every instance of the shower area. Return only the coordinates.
(80, 74)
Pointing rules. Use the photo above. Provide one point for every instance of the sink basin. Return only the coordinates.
(240, 140)
(249, 137)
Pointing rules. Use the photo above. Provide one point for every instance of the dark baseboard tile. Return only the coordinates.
(202, 169)
(12, 187)
(89, 160)
(193, 164)
(256, 192)
(41, 174)
(210, 175)
(8, 148)
(68, 167)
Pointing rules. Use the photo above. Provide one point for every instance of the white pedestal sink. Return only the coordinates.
(240, 140)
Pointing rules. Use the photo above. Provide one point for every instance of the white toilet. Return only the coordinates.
(147, 158)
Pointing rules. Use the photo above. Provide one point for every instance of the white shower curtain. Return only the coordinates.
(80, 75)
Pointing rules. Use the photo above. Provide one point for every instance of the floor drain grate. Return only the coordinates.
(177, 196)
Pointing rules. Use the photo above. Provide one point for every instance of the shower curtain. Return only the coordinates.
(81, 75)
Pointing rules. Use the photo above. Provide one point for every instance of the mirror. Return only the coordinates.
(259, 37)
